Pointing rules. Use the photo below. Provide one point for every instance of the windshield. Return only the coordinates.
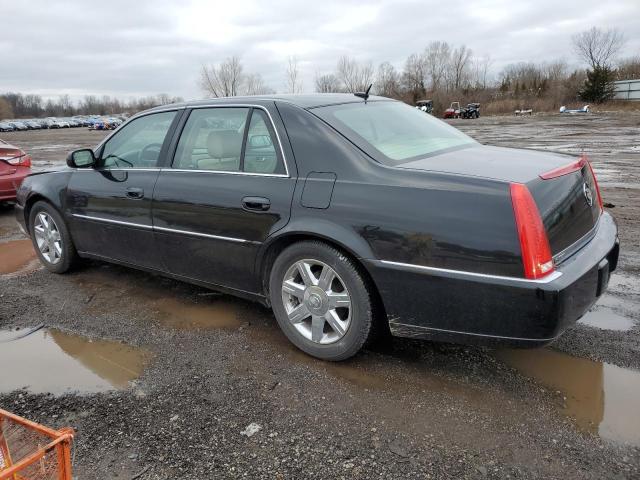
(392, 132)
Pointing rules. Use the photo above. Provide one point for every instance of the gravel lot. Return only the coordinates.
(222, 394)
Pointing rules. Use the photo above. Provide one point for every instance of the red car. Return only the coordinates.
(15, 164)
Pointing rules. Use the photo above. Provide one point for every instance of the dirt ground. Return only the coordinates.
(162, 379)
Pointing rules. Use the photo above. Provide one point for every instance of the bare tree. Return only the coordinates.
(354, 76)
(556, 71)
(459, 67)
(629, 68)
(328, 83)
(481, 69)
(254, 85)
(413, 76)
(436, 60)
(294, 83)
(387, 80)
(598, 47)
(365, 76)
(347, 71)
(222, 80)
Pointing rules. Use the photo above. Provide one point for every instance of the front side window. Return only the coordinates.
(138, 143)
(392, 132)
(215, 139)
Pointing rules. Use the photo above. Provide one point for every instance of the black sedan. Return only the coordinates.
(349, 216)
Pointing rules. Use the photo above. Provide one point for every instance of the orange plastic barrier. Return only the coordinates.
(29, 451)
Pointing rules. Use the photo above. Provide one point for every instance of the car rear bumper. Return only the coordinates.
(9, 184)
(449, 305)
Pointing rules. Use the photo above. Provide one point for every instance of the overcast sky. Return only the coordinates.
(136, 47)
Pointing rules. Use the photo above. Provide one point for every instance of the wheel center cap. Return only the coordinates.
(316, 300)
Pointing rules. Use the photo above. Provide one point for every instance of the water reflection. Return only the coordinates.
(51, 361)
(602, 398)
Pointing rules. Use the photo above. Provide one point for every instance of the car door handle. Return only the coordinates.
(259, 204)
(135, 192)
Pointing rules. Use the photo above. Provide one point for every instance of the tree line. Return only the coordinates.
(18, 105)
(444, 72)
(441, 72)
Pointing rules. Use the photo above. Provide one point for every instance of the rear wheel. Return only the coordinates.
(51, 238)
(321, 300)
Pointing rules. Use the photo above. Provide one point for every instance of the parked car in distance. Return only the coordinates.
(32, 125)
(347, 216)
(98, 124)
(18, 125)
(15, 165)
(6, 127)
(453, 111)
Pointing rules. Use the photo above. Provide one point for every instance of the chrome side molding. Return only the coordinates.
(164, 229)
(463, 273)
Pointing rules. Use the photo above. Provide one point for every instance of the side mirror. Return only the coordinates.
(83, 158)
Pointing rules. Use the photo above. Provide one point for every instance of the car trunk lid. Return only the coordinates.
(567, 214)
(569, 206)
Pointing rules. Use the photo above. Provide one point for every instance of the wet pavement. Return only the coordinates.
(167, 374)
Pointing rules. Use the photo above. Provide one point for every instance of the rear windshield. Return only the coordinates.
(392, 132)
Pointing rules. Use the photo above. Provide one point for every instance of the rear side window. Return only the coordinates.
(392, 132)
(216, 138)
(212, 140)
(138, 143)
(260, 153)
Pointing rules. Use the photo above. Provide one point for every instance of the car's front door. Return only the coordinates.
(109, 206)
(227, 189)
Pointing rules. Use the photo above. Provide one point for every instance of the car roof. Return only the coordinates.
(306, 100)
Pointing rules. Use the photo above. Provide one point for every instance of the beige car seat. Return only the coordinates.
(224, 148)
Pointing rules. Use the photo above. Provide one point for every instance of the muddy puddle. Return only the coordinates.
(52, 361)
(216, 312)
(602, 398)
(17, 256)
(204, 310)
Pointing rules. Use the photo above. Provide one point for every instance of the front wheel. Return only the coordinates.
(51, 238)
(321, 301)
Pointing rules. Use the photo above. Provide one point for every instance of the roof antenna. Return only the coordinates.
(364, 94)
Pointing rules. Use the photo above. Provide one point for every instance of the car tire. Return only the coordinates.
(345, 329)
(52, 243)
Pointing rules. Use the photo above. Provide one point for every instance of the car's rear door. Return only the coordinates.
(109, 206)
(227, 189)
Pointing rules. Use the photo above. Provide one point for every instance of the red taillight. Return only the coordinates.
(534, 245)
(595, 182)
(22, 161)
(558, 172)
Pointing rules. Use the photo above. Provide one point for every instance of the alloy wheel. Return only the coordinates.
(316, 301)
(48, 238)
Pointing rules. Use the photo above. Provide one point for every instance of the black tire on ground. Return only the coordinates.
(360, 328)
(69, 256)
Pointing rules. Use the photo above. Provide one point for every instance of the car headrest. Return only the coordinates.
(224, 144)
